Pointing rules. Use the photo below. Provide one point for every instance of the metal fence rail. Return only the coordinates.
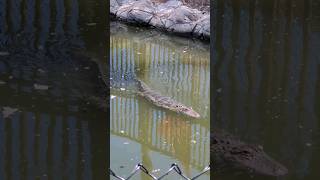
(174, 168)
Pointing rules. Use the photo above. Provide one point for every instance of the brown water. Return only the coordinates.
(267, 79)
(46, 129)
(142, 132)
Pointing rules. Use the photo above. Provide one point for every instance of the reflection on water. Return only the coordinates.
(176, 67)
(44, 132)
(267, 77)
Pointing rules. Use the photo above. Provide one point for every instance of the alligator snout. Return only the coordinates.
(192, 113)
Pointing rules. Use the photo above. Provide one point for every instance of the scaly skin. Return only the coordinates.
(246, 156)
(164, 101)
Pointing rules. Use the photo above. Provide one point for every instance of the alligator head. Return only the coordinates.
(244, 156)
(180, 108)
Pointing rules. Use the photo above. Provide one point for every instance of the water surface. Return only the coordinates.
(46, 129)
(141, 132)
(267, 78)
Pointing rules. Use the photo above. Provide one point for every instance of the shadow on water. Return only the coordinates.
(267, 77)
(46, 129)
(141, 132)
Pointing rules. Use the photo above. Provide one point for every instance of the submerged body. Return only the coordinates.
(229, 149)
(164, 101)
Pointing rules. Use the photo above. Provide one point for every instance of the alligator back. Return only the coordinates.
(163, 101)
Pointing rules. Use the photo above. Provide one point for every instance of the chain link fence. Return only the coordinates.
(174, 168)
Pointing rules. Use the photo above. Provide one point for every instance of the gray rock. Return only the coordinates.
(171, 16)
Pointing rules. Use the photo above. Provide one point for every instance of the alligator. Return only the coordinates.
(158, 100)
(228, 148)
(164, 101)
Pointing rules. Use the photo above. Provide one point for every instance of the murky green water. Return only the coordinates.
(266, 80)
(46, 129)
(141, 132)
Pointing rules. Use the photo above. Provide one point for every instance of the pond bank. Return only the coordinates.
(171, 16)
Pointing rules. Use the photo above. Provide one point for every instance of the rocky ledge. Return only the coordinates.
(168, 15)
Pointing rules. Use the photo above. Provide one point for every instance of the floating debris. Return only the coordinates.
(41, 70)
(194, 141)
(122, 89)
(91, 24)
(125, 143)
(112, 97)
(8, 111)
(122, 131)
(40, 87)
(4, 53)
(2, 82)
